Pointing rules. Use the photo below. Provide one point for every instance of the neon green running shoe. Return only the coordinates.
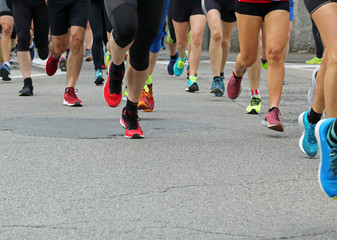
(315, 60)
(254, 106)
(264, 63)
(192, 84)
(107, 59)
(125, 94)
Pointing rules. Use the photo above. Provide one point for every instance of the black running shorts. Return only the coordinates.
(225, 7)
(260, 9)
(64, 14)
(313, 5)
(183, 9)
(6, 8)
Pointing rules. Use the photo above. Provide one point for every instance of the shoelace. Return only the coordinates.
(255, 101)
(71, 93)
(333, 161)
(181, 64)
(311, 134)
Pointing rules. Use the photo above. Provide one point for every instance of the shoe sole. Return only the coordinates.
(253, 112)
(216, 90)
(76, 104)
(193, 88)
(144, 107)
(25, 94)
(99, 81)
(275, 127)
(134, 136)
(320, 149)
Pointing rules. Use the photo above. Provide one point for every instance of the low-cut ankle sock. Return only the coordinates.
(174, 57)
(131, 106)
(27, 82)
(314, 117)
(332, 135)
(271, 109)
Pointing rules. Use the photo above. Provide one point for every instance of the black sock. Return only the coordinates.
(314, 117)
(215, 77)
(131, 105)
(117, 70)
(221, 74)
(27, 82)
(332, 135)
(271, 109)
(174, 57)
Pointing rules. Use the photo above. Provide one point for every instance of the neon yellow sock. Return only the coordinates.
(149, 80)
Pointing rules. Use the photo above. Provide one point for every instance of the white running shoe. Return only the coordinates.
(311, 92)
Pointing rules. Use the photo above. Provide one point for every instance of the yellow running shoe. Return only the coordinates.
(315, 60)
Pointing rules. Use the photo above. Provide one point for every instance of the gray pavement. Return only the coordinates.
(205, 170)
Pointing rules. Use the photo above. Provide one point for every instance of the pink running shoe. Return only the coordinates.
(70, 98)
(272, 121)
(234, 86)
(52, 65)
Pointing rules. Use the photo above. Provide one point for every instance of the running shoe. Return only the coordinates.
(112, 90)
(70, 98)
(314, 60)
(234, 86)
(311, 92)
(43, 52)
(178, 67)
(264, 63)
(129, 122)
(27, 90)
(146, 101)
(307, 142)
(192, 84)
(218, 87)
(52, 65)
(125, 94)
(99, 77)
(32, 51)
(88, 55)
(171, 65)
(5, 72)
(327, 173)
(272, 121)
(254, 106)
(107, 58)
(63, 64)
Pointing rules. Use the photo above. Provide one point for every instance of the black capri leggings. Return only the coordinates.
(138, 21)
(99, 27)
(24, 11)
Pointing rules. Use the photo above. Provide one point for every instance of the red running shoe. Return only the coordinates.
(146, 101)
(52, 65)
(70, 98)
(112, 91)
(234, 86)
(130, 123)
(272, 120)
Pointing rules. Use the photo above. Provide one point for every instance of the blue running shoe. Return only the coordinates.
(99, 77)
(32, 51)
(327, 172)
(307, 142)
(192, 84)
(171, 65)
(218, 87)
(179, 66)
(5, 72)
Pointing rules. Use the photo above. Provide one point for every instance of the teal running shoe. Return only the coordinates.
(218, 87)
(327, 173)
(179, 66)
(192, 84)
(308, 143)
(99, 77)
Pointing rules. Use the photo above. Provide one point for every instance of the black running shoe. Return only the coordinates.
(63, 64)
(27, 90)
(5, 72)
